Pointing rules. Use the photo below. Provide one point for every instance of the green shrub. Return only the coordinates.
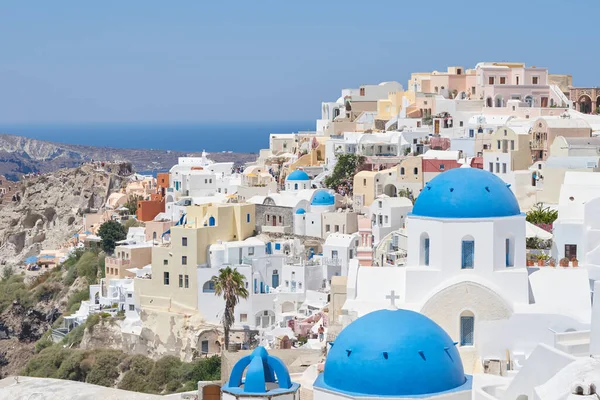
(72, 367)
(166, 370)
(74, 337)
(76, 298)
(105, 369)
(137, 375)
(87, 267)
(47, 362)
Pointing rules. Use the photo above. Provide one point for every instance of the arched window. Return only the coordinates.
(295, 186)
(208, 287)
(402, 171)
(416, 171)
(211, 221)
(468, 253)
(467, 328)
(424, 257)
(436, 89)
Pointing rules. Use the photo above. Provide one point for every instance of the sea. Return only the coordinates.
(246, 137)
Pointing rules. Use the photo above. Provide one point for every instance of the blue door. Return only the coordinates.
(275, 280)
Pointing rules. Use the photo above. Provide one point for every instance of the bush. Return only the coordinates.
(105, 369)
(72, 368)
(137, 377)
(47, 362)
(87, 267)
(76, 298)
(74, 337)
(166, 370)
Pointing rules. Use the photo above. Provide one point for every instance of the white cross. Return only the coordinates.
(392, 297)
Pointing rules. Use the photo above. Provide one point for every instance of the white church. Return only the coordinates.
(466, 271)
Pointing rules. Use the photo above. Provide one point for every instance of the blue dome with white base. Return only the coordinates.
(323, 198)
(301, 211)
(393, 353)
(298, 175)
(466, 193)
(266, 375)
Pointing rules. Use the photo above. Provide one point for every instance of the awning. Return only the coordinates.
(31, 260)
(532, 231)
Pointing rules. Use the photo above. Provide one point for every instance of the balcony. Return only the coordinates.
(334, 262)
(117, 262)
(537, 145)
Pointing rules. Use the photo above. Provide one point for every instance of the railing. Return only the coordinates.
(332, 261)
(537, 145)
(117, 261)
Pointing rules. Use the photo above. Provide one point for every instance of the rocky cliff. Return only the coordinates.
(20, 155)
(50, 209)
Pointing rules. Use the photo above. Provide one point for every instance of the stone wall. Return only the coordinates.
(286, 213)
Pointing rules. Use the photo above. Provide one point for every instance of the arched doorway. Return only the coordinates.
(597, 105)
(529, 101)
(287, 307)
(489, 102)
(390, 190)
(211, 392)
(585, 104)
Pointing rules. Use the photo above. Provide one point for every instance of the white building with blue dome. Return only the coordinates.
(260, 376)
(297, 180)
(393, 354)
(466, 270)
(320, 218)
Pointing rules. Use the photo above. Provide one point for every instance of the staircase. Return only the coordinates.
(319, 179)
(559, 96)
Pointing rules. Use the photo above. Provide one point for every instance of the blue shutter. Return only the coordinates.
(467, 331)
(468, 253)
(426, 251)
(275, 280)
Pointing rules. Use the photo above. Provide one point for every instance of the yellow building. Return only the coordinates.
(174, 282)
(512, 141)
(390, 107)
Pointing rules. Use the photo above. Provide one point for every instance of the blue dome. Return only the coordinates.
(298, 175)
(466, 193)
(323, 198)
(262, 369)
(393, 353)
(301, 211)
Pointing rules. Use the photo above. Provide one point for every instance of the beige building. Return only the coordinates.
(390, 107)
(513, 142)
(339, 222)
(575, 147)
(546, 129)
(174, 282)
(408, 174)
(127, 257)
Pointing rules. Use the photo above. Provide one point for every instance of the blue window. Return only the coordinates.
(468, 254)
(209, 287)
(509, 262)
(277, 246)
(471, 133)
(275, 279)
(426, 250)
(295, 186)
(256, 286)
(467, 330)
(211, 221)
(248, 218)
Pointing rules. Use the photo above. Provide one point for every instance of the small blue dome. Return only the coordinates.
(301, 211)
(323, 198)
(466, 193)
(298, 175)
(393, 353)
(262, 369)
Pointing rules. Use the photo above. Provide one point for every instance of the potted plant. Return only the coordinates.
(530, 260)
(552, 262)
(541, 260)
(564, 262)
(575, 262)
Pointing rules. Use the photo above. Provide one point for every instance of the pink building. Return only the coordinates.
(500, 82)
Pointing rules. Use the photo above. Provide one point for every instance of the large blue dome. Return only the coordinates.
(466, 193)
(323, 198)
(298, 175)
(393, 353)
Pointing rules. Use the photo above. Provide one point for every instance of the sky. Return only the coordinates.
(73, 61)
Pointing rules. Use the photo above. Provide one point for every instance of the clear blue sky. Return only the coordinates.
(191, 61)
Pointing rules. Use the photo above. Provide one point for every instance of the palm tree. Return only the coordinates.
(229, 284)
